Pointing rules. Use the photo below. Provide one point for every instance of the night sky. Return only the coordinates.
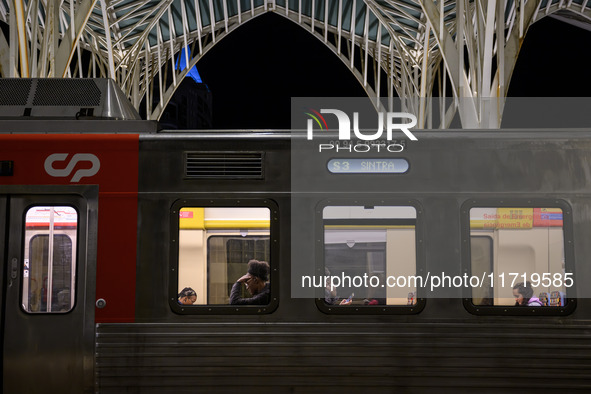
(553, 62)
(254, 71)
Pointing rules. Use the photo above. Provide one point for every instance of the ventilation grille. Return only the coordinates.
(67, 92)
(224, 165)
(14, 91)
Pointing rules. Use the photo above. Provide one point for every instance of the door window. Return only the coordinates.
(49, 259)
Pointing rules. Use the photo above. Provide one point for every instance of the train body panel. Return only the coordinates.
(109, 160)
(168, 190)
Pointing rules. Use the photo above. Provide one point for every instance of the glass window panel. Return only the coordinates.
(49, 259)
(520, 252)
(215, 246)
(364, 248)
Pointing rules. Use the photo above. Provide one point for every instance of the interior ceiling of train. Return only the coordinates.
(395, 48)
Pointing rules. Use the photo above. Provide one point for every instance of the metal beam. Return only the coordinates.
(128, 41)
(65, 52)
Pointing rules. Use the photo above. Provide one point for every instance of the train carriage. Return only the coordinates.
(102, 223)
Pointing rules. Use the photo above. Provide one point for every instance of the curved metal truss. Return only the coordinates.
(395, 48)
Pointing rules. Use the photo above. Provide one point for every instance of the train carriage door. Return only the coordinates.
(48, 333)
(3, 222)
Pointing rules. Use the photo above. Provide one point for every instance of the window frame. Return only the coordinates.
(75, 255)
(208, 258)
(273, 253)
(569, 261)
(30, 247)
(419, 257)
(491, 254)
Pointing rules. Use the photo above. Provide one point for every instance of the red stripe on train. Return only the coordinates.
(107, 160)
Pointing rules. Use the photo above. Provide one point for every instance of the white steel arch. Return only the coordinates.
(402, 47)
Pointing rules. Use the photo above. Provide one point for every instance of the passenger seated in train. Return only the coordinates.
(255, 281)
(524, 295)
(376, 295)
(330, 293)
(187, 296)
(374, 301)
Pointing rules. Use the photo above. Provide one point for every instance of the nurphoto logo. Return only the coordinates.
(386, 118)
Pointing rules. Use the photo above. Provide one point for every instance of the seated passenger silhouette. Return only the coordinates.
(524, 295)
(187, 296)
(256, 282)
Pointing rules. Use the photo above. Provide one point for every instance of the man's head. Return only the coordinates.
(187, 296)
(260, 269)
(258, 272)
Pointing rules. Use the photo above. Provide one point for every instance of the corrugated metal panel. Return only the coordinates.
(341, 357)
(64, 98)
(14, 91)
(69, 92)
(224, 165)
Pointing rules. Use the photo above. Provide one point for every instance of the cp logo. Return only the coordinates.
(78, 157)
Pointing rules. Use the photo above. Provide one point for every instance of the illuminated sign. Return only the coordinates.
(367, 166)
(514, 218)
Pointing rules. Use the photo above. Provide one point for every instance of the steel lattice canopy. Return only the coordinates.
(415, 44)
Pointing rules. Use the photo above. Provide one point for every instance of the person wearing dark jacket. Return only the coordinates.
(255, 281)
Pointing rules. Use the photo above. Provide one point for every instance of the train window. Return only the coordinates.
(369, 251)
(215, 247)
(49, 259)
(518, 254)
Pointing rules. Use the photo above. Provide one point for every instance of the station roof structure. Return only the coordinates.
(402, 47)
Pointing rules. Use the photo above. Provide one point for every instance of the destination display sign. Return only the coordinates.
(368, 166)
